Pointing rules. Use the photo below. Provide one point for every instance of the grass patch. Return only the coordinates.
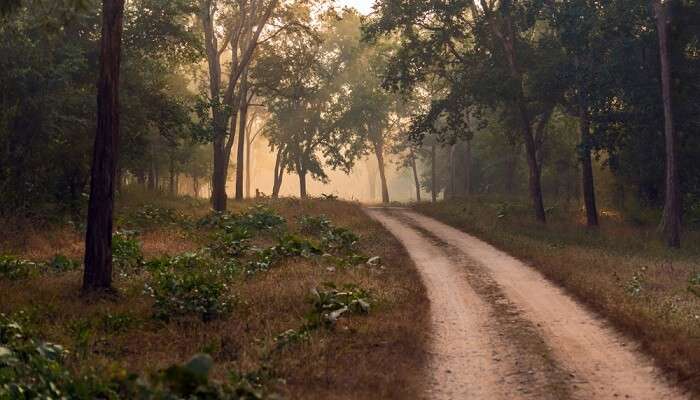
(621, 270)
(368, 340)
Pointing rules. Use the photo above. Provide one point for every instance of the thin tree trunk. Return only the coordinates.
(247, 168)
(195, 186)
(433, 186)
(302, 183)
(379, 152)
(242, 124)
(415, 176)
(587, 183)
(98, 238)
(671, 221)
(277, 182)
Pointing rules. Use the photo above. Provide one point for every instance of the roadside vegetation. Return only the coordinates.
(299, 299)
(621, 270)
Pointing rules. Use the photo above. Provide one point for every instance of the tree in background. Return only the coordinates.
(300, 77)
(243, 23)
(483, 53)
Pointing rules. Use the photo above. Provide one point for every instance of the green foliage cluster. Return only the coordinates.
(32, 369)
(14, 268)
(328, 304)
(151, 215)
(190, 284)
(331, 302)
(331, 236)
(47, 109)
(259, 218)
(127, 257)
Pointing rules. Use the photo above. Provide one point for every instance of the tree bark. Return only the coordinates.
(279, 170)
(98, 238)
(219, 177)
(671, 221)
(249, 144)
(433, 183)
(415, 176)
(587, 183)
(242, 124)
(379, 152)
(302, 182)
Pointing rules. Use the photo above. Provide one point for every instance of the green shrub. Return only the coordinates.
(258, 218)
(151, 215)
(339, 239)
(287, 246)
(314, 225)
(61, 263)
(190, 284)
(261, 218)
(330, 303)
(231, 243)
(127, 257)
(32, 369)
(14, 268)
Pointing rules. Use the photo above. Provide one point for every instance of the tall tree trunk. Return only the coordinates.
(219, 177)
(195, 186)
(416, 180)
(379, 152)
(587, 183)
(247, 168)
(242, 124)
(433, 166)
(279, 171)
(671, 221)
(534, 182)
(98, 238)
(302, 183)
(220, 116)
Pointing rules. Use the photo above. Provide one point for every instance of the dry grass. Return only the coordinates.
(620, 270)
(380, 355)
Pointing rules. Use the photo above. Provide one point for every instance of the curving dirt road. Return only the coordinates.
(501, 331)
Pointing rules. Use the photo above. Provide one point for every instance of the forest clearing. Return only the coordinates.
(349, 199)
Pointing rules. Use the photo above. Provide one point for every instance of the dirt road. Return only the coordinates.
(501, 331)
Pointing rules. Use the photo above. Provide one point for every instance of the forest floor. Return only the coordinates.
(648, 295)
(271, 334)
